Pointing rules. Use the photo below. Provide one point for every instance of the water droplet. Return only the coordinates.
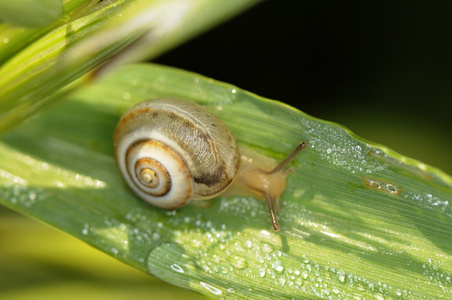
(126, 96)
(266, 248)
(391, 188)
(85, 229)
(298, 281)
(177, 268)
(382, 185)
(211, 288)
(156, 236)
(277, 266)
(224, 268)
(341, 278)
(239, 262)
(32, 195)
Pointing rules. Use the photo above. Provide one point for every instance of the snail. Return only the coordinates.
(171, 151)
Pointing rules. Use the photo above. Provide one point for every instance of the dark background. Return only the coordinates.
(382, 69)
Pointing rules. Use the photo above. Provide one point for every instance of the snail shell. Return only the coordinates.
(170, 151)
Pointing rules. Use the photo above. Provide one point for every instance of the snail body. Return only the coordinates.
(171, 151)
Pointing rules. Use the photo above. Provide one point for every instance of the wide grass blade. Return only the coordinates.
(30, 13)
(358, 221)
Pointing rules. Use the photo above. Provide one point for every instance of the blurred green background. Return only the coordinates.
(40, 262)
(382, 69)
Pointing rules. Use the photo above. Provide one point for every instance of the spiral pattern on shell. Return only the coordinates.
(170, 151)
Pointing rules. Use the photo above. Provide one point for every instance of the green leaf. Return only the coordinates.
(29, 79)
(30, 13)
(357, 221)
(14, 39)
